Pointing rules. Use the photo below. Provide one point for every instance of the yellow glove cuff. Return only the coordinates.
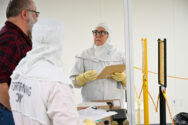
(123, 82)
(120, 77)
(80, 80)
(85, 77)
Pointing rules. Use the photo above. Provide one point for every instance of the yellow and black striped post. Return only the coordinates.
(162, 80)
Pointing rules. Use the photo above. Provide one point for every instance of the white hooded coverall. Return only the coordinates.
(40, 92)
(97, 58)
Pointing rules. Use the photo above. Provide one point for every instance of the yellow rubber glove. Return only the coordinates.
(89, 122)
(83, 78)
(120, 77)
(114, 123)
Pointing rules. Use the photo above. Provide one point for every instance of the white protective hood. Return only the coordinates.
(44, 61)
(105, 52)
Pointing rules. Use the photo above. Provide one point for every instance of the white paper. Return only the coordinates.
(92, 104)
(94, 114)
(116, 103)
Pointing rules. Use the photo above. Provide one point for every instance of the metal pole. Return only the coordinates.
(145, 82)
(162, 78)
(129, 62)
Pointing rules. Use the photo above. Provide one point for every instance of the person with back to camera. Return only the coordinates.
(40, 91)
(92, 61)
(15, 42)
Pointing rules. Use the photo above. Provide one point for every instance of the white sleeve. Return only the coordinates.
(60, 106)
(78, 67)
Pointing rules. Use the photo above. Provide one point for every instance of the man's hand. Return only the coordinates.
(4, 96)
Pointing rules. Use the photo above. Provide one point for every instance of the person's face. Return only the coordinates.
(100, 38)
(32, 17)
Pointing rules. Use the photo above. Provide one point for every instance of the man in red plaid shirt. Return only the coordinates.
(15, 42)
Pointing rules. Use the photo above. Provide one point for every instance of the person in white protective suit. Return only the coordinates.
(92, 61)
(40, 92)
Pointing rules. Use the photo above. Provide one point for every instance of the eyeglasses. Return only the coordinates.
(36, 12)
(102, 33)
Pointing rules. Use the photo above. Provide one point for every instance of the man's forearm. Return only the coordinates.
(4, 96)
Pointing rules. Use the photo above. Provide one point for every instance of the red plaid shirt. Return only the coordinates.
(14, 45)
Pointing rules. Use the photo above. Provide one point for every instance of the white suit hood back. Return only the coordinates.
(44, 61)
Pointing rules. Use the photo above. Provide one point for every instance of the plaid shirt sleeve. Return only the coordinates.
(8, 58)
(14, 45)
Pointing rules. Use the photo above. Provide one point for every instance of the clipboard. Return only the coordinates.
(109, 70)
